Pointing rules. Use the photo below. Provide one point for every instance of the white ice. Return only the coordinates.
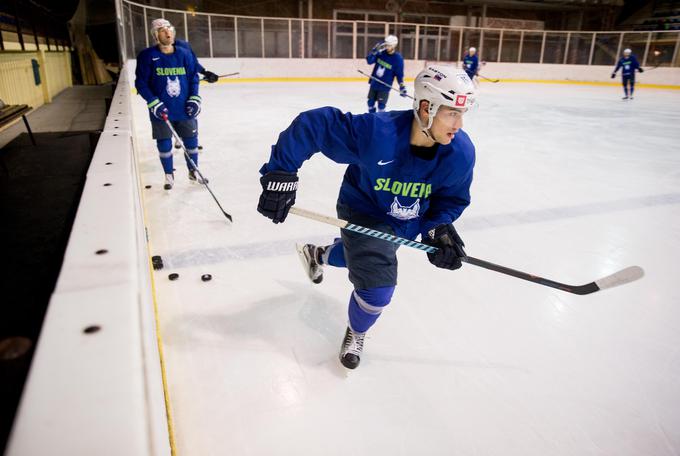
(571, 183)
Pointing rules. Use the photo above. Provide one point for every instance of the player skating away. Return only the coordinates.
(628, 64)
(167, 78)
(471, 63)
(389, 64)
(409, 173)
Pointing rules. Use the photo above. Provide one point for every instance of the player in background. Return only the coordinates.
(167, 78)
(409, 174)
(389, 64)
(207, 75)
(471, 63)
(628, 64)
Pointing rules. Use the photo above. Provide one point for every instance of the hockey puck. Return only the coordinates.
(206, 277)
(173, 276)
(147, 186)
(200, 147)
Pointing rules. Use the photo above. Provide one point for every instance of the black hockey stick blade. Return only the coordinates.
(621, 277)
(488, 79)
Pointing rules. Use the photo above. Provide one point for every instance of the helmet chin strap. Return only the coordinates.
(426, 130)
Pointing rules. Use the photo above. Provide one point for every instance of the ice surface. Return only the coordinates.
(571, 183)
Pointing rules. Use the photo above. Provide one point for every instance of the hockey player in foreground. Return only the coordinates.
(628, 64)
(409, 173)
(167, 78)
(389, 64)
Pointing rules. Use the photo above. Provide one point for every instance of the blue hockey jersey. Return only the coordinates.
(628, 65)
(387, 67)
(186, 45)
(384, 179)
(170, 78)
(470, 64)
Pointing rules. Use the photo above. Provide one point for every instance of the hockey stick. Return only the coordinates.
(186, 154)
(490, 80)
(621, 277)
(223, 75)
(383, 83)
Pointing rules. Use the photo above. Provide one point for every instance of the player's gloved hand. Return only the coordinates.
(449, 245)
(379, 47)
(402, 90)
(209, 76)
(641, 70)
(613, 75)
(193, 106)
(158, 109)
(278, 195)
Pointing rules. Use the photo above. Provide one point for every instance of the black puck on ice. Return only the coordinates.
(157, 262)
(147, 186)
(206, 277)
(173, 276)
(200, 147)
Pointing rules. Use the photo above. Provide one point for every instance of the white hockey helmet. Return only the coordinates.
(442, 86)
(472, 50)
(627, 51)
(160, 23)
(391, 40)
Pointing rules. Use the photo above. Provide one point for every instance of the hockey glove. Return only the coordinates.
(641, 70)
(613, 75)
(449, 247)
(402, 90)
(158, 109)
(278, 195)
(210, 76)
(193, 106)
(379, 47)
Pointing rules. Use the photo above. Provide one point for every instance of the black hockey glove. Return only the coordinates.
(449, 245)
(210, 76)
(278, 195)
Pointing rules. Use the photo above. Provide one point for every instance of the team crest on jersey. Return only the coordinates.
(401, 212)
(380, 72)
(172, 87)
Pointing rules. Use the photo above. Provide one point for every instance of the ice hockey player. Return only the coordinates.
(409, 173)
(389, 64)
(207, 75)
(628, 64)
(471, 63)
(167, 78)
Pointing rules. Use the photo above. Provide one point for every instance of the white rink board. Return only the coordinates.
(570, 183)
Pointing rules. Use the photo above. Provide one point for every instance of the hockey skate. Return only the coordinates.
(352, 346)
(169, 181)
(195, 177)
(309, 256)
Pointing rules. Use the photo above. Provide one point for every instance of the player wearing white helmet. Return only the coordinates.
(389, 64)
(628, 64)
(159, 25)
(409, 174)
(167, 79)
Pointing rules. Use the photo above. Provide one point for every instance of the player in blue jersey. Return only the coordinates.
(628, 64)
(409, 174)
(471, 63)
(207, 75)
(167, 78)
(389, 64)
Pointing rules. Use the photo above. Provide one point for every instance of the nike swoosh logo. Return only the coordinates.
(155, 58)
(382, 163)
(193, 131)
